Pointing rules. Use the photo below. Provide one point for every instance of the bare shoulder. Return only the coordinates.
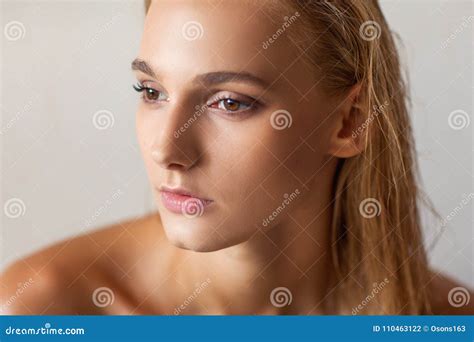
(61, 278)
(449, 297)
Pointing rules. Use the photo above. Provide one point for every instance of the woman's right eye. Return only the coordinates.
(150, 95)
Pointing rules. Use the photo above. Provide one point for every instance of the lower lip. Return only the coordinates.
(184, 205)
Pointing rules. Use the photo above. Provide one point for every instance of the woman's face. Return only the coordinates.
(234, 118)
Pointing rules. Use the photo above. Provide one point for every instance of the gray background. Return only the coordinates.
(73, 60)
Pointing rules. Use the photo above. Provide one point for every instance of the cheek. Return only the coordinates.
(144, 139)
(261, 175)
(139, 130)
(254, 184)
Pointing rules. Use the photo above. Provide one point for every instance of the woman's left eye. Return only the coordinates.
(230, 105)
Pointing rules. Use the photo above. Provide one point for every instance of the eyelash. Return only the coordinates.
(139, 87)
(252, 104)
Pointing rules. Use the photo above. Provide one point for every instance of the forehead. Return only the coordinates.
(190, 37)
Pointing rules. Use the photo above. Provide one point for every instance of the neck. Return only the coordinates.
(294, 256)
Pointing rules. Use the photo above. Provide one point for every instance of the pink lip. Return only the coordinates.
(181, 201)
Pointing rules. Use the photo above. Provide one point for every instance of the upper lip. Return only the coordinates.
(181, 191)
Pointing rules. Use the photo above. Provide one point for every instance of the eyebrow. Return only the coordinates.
(141, 65)
(211, 78)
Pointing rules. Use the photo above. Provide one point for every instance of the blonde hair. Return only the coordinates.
(376, 231)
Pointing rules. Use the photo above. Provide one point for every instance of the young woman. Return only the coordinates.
(277, 141)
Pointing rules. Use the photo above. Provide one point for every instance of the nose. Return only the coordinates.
(175, 146)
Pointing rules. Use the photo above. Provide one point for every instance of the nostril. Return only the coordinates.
(174, 166)
(166, 162)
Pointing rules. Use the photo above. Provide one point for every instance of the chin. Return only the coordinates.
(198, 238)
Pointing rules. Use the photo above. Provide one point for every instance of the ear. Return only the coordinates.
(348, 136)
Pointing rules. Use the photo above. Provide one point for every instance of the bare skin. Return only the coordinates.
(231, 155)
(147, 275)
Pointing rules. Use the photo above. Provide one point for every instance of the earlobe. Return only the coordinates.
(347, 146)
(348, 137)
